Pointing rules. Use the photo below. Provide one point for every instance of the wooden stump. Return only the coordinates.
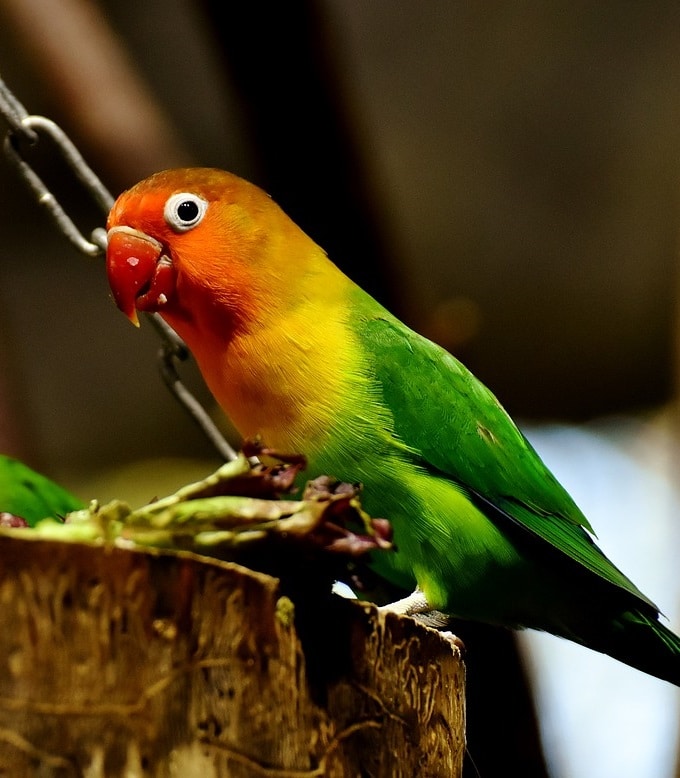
(117, 662)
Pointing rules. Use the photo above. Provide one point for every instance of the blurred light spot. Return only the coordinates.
(453, 322)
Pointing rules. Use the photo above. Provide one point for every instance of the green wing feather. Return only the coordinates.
(30, 495)
(458, 428)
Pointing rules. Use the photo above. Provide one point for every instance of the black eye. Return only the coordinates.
(187, 211)
(184, 210)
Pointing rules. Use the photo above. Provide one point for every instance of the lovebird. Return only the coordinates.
(30, 495)
(296, 353)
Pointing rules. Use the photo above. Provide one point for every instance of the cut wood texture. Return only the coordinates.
(121, 662)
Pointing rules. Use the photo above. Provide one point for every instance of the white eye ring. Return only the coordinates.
(184, 210)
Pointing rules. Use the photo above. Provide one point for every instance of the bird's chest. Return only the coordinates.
(288, 390)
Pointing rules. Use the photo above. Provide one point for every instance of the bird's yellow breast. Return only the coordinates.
(288, 381)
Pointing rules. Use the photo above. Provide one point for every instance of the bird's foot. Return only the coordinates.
(412, 605)
(416, 605)
(434, 619)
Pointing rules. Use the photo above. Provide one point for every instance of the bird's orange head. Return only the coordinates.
(185, 239)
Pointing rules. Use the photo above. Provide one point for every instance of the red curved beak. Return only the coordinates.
(141, 277)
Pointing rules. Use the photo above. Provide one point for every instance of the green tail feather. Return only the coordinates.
(640, 641)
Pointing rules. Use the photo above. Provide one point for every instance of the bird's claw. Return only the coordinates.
(417, 606)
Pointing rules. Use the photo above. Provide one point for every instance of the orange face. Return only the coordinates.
(181, 232)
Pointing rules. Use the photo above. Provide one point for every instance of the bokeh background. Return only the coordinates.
(504, 176)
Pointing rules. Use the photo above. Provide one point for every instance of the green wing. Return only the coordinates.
(458, 429)
(30, 495)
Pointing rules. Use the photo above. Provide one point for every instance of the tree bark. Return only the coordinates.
(120, 662)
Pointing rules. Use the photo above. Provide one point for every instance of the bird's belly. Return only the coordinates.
(466, 565)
